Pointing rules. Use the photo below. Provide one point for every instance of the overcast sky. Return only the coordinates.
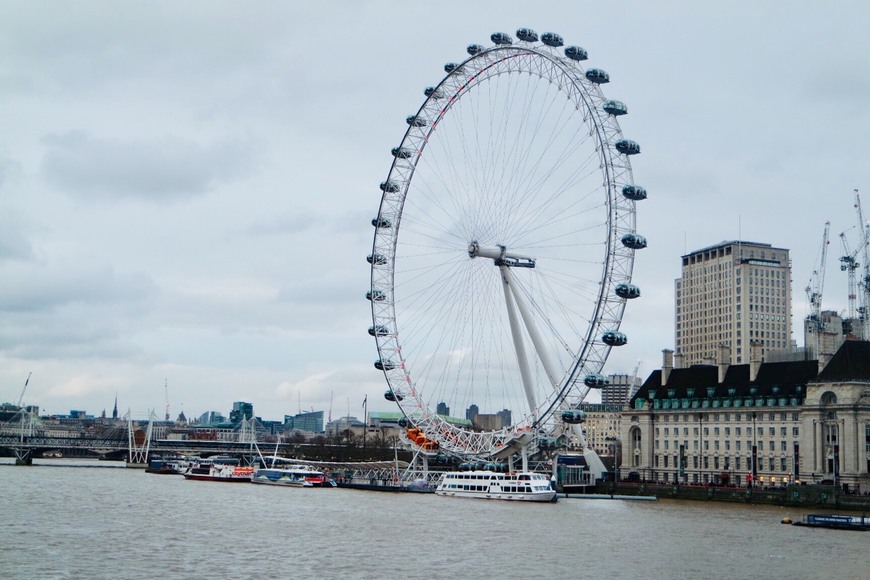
(186, 189)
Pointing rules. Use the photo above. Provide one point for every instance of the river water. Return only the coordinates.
(79, 522)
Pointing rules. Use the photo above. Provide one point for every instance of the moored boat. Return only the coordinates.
(166, 466)
(292, 476)
(835, 521)
(214, 470)
(521, 486)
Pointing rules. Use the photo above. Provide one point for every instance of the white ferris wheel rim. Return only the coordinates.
(435, 193)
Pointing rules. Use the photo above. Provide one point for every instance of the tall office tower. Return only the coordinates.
(620, 389)
(730, 296)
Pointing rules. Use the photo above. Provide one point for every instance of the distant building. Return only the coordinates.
(472, 412)
(602, 427)
(241, 411)
(310, 422)
(488, 422)
(442, 409)
(824, 335)
(730, 295)
(210, 417)
(342, 424)
(619, 389)
(506, 419)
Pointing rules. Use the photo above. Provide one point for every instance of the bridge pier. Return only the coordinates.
(23, 456)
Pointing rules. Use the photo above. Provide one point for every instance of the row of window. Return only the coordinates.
(774, 464)
(727, 445)
(726, 417)
(771, 431)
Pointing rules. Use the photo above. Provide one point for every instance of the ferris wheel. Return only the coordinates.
(504, 246)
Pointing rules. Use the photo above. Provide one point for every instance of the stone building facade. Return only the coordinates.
(764, 424)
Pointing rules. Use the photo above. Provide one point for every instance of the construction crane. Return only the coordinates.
(817, 285)
(634, 387)
(166, 393)
(24, 390)
(864, 284)
(849, 264)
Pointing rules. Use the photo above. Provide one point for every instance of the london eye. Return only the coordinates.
(503, 246)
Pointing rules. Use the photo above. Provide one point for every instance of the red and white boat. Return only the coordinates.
(219, 469)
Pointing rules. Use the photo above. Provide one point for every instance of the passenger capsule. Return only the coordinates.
(501, 38)
(391, 396)
(452, 66)
(634, 241)
(634, 192)
(389, 186)
(433, 93)
(576, 53)
(403, 422)
(376, 259)
(380, 222)
(573, 416)
(384, 365)
(552, 39)
(547, 443)
(615, 108)
(401, 152)
(614, 338)
(627, 291)
(597, 76)
(473, 49)
(527, 35)
(375, 296)
(627, 147)
(379, 330)
(415, 121)
(596, 381)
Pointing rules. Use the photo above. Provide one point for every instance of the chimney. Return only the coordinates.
(723, 360)
(754, 359)
(678, 361)
(667, 365)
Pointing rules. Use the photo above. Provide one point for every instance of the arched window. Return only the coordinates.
(828, 398)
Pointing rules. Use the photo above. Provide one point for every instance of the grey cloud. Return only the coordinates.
(157, 170)
(14, 245)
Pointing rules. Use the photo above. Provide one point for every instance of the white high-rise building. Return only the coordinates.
(730, 296)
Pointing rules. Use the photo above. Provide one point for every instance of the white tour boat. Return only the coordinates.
(521, 486)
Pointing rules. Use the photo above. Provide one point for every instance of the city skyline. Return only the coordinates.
(171, 211)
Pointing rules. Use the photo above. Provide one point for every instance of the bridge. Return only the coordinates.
(27, 439)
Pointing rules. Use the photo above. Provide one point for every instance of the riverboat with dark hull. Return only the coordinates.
(835, 522)
(521, 486)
